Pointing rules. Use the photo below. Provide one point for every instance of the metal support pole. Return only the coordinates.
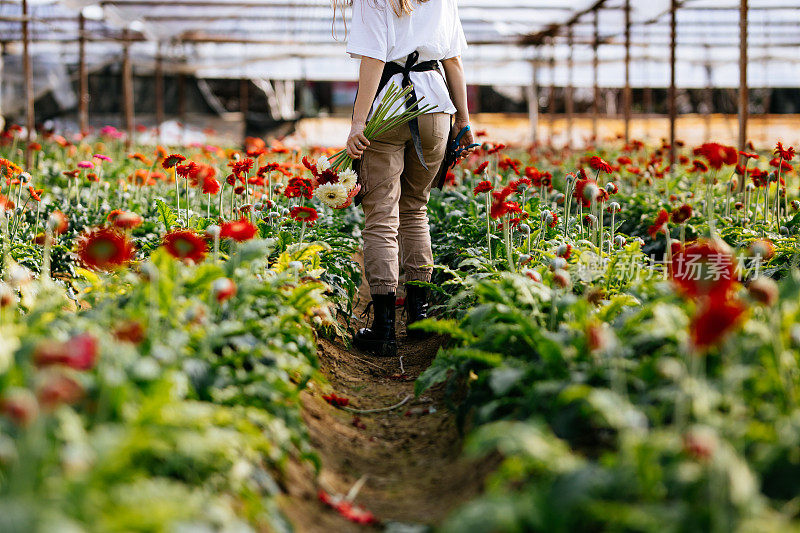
(595, 75)
(127, 89)
(533, 100)
(27, 67)
(158, 84)
(182, 97)
(83, 74)
(570, 104)
(551, 104)
(244, 98)
(627, 97)
(673, 111)
(743, 91)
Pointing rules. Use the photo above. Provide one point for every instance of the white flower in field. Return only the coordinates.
(348, 178)
(331, 194)
(323, 164)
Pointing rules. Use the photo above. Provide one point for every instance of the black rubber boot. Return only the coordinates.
(379, 339)
(416, 309)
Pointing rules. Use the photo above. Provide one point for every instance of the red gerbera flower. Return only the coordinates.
(660, 224)
(682, 214)
(705, 268)
(104, 248)
(185, 245)
(58, 222)
(238, 230)
(481, 168)
(598, 163)
(483, 186)
(79, 352)
(304, 214)
(172, 160)
(714, 319)
(787, 154)
(586, 190)
(223, 289)
(127, 220)
(210, 185)
(717, 154)
(241, 167)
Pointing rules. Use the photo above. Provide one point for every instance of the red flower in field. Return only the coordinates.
(698, 166)
(787, 154)
(481, 168)
(230, 180)
(127, 220)
(172, 160)
(57, 222)
(564, 251)
(269, 167)
(59, 388)
(496, 148)
(501, 208)
(104, 248)
(85, 164)
(299, 186)
(762, 248)
(550, 218)
(784, 166)
(304, 214)
(185, 245)
(660, 225)
(759, 177)
(139, 157)
(682, 214)
(705, 268)
(35, 193)
(239, 189)
(715, 318)
(336, 401)
(79, 352)
(20, 405)
(223, 289)
(241, 167)
(130, 331)
(238, 230)
(211, 185)
(749, 155)
(586, 190)
(717, 154)
(483, 186)
(507, 163)
(624, 160)
(700, 444)
(71, 173)
(6, 204)
(598, 163)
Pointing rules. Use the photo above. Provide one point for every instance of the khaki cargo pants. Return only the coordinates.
(395, 202)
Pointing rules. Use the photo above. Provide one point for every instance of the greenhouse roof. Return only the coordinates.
(298, 39)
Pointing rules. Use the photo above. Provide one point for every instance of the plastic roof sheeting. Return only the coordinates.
(294, 39)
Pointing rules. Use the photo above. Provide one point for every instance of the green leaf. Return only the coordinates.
(166, 213)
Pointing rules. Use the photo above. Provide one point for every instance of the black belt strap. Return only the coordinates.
(390, 69)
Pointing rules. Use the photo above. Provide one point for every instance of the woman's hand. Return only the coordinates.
(467, 138)
(356, 141)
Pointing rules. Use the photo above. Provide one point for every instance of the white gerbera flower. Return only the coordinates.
(331, 194)
(323, 164)
(348, 178)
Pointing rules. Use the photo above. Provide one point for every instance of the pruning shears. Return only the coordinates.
(457, 151)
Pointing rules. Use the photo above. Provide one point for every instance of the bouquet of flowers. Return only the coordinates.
(335, 183)
(382, 121)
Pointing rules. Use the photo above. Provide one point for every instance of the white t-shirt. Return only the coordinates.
(433, 29)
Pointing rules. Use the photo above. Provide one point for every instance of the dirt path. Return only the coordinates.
(411, 456)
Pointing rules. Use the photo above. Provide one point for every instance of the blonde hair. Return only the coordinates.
(400, 8)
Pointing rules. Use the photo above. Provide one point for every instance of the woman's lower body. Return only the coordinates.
(396, 231)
